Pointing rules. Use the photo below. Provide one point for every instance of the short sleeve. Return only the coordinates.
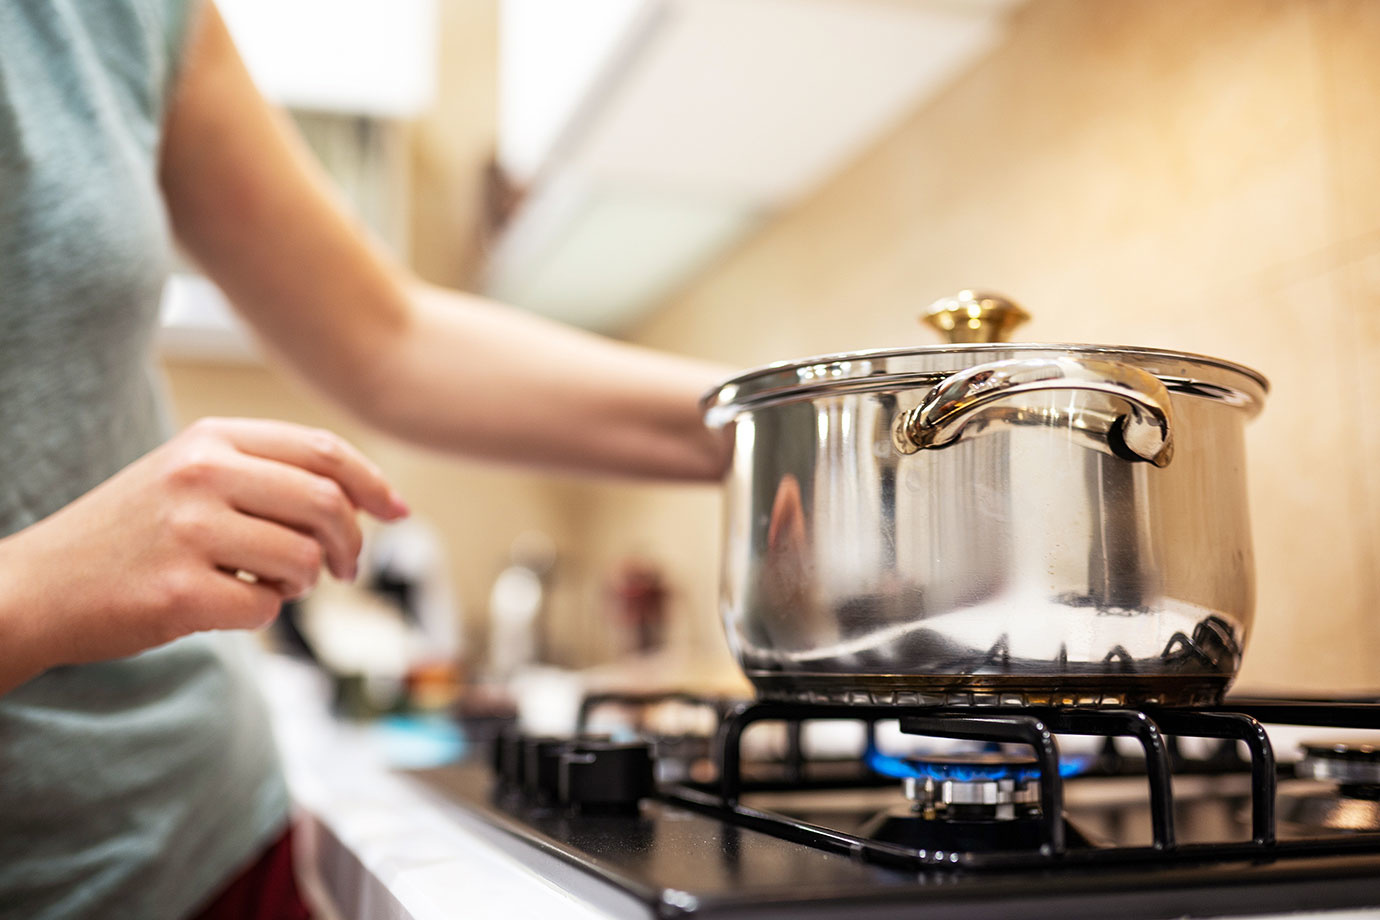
(179, 18)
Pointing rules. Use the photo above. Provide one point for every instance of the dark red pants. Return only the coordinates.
(266, 890)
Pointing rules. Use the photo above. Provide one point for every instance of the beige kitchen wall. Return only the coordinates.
(1202, 176)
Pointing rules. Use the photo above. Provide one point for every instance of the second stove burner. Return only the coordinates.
(1353, 805)
(1348, 765)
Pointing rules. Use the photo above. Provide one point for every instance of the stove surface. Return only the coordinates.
(668, 861)
(965, 836)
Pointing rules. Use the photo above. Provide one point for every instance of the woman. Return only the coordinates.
(137, 777)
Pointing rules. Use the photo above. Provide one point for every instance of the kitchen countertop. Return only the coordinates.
(376, 844)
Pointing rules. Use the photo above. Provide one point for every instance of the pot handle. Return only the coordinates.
(1144, 433)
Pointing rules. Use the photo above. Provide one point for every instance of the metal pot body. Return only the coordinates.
(989, 525)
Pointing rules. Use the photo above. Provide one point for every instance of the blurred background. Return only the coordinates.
(757, 180)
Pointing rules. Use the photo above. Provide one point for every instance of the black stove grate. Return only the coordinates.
(1154, 728)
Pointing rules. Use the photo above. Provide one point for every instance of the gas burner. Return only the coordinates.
(1354, 807)
(1351, 766)
(987, 786)
(987, 801)
(958, 802)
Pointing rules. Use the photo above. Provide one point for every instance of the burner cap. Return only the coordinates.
(1341, 762)
(989, 785)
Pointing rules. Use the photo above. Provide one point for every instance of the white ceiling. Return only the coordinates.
(550, 56)
(767, 98)
(695, 120)
(358, 57)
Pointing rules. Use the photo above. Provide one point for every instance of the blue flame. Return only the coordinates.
(939, 770)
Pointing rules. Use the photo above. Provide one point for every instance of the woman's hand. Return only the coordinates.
(212, 530)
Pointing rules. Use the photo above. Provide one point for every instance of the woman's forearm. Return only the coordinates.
(468, 375)
(436, 367)
(26, 650)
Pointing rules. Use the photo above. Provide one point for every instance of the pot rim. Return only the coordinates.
(856, 372)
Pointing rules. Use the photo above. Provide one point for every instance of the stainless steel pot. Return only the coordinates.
(989, 524)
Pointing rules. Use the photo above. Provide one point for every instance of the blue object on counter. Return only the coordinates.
(419, 742)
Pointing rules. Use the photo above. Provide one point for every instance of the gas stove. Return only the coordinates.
(1057, 812)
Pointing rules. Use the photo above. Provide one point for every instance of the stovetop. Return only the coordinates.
(1150, 834)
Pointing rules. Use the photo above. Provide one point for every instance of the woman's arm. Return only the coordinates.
(434, 366)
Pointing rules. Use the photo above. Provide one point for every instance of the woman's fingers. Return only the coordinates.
(316, 451)
(279, 556)
(241, 603)
(313, 504)
(305, 481)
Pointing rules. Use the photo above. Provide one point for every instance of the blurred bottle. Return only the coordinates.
(639, 599)
(516, 604)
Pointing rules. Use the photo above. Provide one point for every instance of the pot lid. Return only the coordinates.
(976, 324)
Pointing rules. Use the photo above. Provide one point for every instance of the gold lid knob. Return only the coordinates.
(975, 316)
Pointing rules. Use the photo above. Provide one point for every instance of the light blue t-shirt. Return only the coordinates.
(136, 787)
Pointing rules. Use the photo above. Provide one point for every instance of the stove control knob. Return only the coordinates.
(507, 754)
(607, 776)
(541, 760)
